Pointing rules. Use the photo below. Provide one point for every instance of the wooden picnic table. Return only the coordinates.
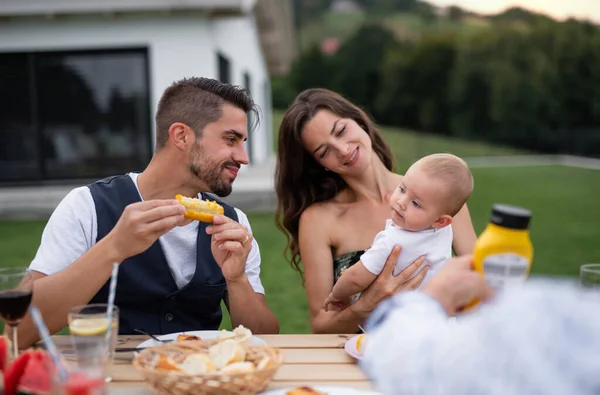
(314, 360)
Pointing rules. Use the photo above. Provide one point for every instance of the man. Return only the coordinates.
(173, 272)
(538, 339)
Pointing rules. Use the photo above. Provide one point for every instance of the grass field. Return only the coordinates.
(564, 228)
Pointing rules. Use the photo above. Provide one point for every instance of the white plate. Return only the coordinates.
(350, 347)
(329, 390)
(204, 335)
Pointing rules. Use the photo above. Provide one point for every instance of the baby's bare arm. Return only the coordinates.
(355, 279)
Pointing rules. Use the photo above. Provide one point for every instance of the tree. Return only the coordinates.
(311, 69)
(358, 64)
(455, 13)
(415, 85)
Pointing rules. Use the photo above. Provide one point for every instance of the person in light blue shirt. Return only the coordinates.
(542, 338)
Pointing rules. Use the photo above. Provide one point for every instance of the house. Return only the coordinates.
(80, 79)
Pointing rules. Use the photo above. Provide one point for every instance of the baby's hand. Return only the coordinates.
(335, 304)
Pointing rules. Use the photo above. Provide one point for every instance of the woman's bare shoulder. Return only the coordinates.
(316, 212)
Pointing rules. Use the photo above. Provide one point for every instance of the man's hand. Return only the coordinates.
(141, 224)
(230, 245)
(457, 284)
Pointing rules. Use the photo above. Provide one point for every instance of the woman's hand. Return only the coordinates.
(387, 284)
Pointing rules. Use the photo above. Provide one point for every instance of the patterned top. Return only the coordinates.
(541, 338)
(343, 262)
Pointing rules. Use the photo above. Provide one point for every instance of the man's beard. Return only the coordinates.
(210, 172)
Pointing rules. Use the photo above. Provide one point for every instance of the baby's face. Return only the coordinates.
(418, 202)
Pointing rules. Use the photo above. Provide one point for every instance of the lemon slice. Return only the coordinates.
(359, 342)
(88, 326)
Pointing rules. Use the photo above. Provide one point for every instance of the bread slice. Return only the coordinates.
(264, 363)
(226, 352)
(240, 334)
(239, 367)
(225, 334)
(198, 364)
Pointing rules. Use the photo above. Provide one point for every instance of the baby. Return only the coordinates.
(432, 191)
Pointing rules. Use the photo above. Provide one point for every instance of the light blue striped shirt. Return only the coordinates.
(543, 338)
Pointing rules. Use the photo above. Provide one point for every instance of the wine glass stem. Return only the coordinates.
(12, 335)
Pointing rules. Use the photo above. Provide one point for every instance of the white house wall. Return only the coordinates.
(177, 47)
(238, 39)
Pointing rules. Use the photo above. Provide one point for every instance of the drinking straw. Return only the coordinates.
(112, 290)
(45, 335)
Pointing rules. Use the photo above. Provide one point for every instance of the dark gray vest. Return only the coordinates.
(147, 295)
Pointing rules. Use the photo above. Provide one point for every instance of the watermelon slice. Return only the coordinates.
(4, 347)
(36, 378)
(14, 371)
(80, 383)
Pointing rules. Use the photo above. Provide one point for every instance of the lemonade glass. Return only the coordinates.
(88, 325)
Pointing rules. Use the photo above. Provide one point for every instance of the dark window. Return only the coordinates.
(224, 68)
(81, 114)
(19, 151)
(249, 142)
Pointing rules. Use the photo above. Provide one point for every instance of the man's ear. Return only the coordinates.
(180, 135)
(442, 222)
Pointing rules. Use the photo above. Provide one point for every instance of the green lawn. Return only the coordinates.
(564, 228)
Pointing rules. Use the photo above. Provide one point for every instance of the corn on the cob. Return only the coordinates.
(200, 210)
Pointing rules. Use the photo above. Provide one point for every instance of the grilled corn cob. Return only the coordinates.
(200, 210)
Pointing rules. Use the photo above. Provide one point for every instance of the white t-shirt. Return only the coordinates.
(436, 244)
(72, 230)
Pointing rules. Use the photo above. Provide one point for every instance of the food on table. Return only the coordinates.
(80, 383)
(197, 364)
(264, 363)
(200, 210)
(360, 341)
(305, 391)
(184, 337)
(35, 378)
(239, 334)
(226, 352)
(4, 347)
(166, 363)
(226, 356)
(28, 373)
(239, 367)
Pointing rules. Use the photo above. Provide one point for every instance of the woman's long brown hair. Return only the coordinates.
(299, 180)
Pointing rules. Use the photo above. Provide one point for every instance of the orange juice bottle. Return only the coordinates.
(503, 252)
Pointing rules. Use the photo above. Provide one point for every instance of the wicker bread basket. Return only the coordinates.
(175, 382)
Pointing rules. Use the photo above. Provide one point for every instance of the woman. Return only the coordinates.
(334, 177)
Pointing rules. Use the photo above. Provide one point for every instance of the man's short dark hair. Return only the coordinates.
(196, 102)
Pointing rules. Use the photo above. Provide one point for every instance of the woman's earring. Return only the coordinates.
(326, 169)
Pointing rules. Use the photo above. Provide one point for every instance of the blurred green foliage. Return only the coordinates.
(517, 78)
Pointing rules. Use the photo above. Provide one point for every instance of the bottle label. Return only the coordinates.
(505, 270)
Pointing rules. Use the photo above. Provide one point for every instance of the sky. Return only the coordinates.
(558, 9)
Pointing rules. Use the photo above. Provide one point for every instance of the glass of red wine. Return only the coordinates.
(16, 289)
